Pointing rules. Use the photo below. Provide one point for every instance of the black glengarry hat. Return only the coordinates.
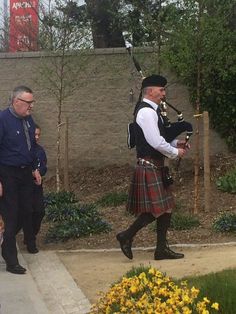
(154, 80)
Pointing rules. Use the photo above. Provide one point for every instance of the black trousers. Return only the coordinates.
(16, 208)
(38, 208)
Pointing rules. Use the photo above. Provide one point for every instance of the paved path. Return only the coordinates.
(19, 293)
(46, 288)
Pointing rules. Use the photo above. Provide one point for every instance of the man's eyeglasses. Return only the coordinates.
(29, 102)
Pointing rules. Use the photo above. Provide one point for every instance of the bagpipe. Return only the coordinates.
(173, 129)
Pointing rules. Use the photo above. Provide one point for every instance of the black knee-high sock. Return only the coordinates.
(141, 221)
(163, 223)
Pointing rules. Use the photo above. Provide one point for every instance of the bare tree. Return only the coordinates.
(59, 72)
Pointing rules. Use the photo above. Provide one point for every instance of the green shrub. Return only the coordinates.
(181, 221)
(113, 199)
(73, 221)
(227, 183)
(71, 230)
(226, 222)
(137, 270)
(64, 211)
(178, 206)
(56, 198)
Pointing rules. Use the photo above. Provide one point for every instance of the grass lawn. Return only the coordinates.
(218, 287)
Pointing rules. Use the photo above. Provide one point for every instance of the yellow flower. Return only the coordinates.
(206, 300)
(133, 289)
(128, 303)
(123, 309)
(170, 301)
(201, 306)
(186, 299)
(186, 310)
(139, 304)
(152, 271)
(151, 285)
(159, 281)
(194, 292)
(142, 275)
(183, 283)
(215, 306)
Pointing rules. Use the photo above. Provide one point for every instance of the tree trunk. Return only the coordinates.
(207, 181)
(58, 158)
(198, 90)
(66, 157)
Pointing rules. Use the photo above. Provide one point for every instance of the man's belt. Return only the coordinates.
(144, 162)
(17, 167)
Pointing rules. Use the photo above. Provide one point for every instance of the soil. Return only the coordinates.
(90, 184)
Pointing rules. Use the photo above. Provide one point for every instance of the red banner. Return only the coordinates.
(24, 24)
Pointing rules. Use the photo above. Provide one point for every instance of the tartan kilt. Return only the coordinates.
(147, 193)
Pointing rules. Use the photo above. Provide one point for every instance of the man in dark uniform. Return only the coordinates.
(149, 198)
(17, 170)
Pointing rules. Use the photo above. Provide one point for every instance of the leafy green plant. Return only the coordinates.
(112, 199)
(62, 197)
(227, 183)
(181, 221)
(137, 270)
(71, 230)
(178, 206)
(201, 40)
(64, 211)
(73, 221)
(226, 222)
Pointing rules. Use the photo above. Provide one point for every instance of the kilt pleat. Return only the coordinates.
(147, 193)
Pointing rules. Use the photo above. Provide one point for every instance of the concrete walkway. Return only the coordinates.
(46, 288)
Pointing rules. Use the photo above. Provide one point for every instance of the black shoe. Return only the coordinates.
(167, 253)
(32, 249)
(16, 269)
(125, 245)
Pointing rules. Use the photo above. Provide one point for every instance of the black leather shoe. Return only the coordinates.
(167, 253)
(32, 249)
(125, 245)
(16, 269)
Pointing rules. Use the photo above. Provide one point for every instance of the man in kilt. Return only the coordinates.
(150, 196)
